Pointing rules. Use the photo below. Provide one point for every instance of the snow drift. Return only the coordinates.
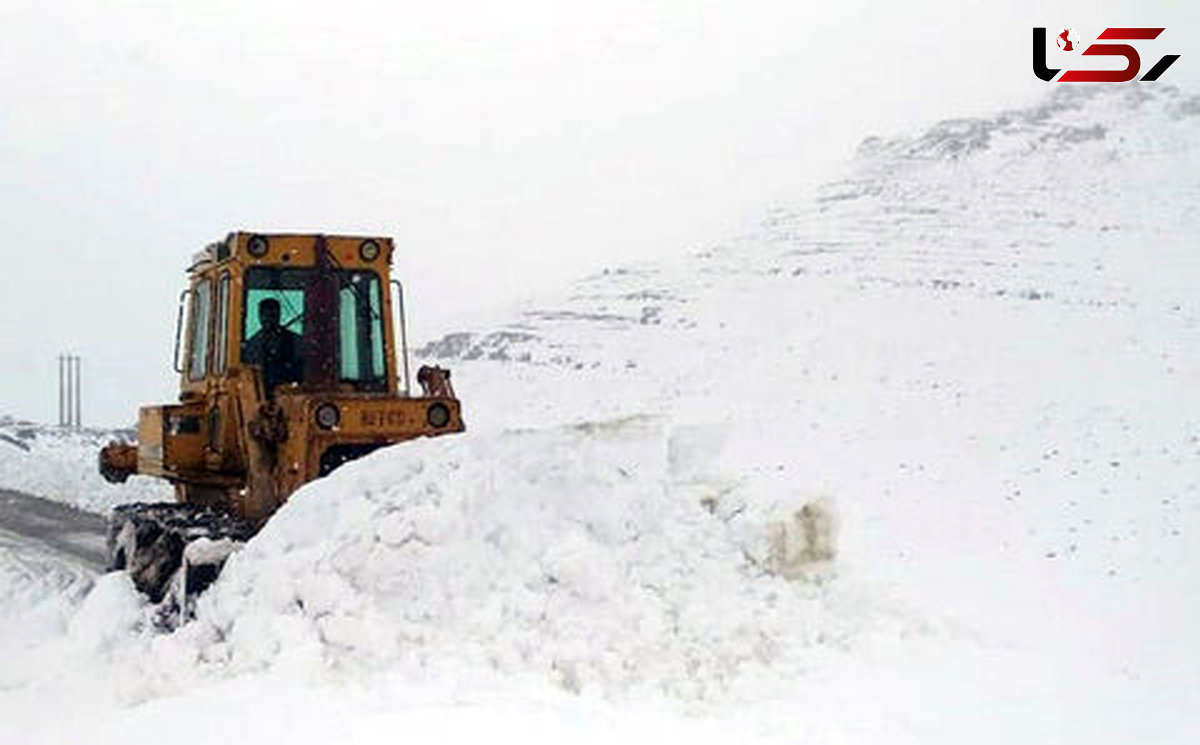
(584, 555)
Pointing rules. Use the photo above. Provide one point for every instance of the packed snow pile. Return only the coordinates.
(60, 464)
(589, 556)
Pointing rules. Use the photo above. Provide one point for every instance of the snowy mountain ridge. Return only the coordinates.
(974, 205)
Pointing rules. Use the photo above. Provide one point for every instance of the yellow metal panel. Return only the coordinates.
(184, 437)
(299, 249)
(150, 440)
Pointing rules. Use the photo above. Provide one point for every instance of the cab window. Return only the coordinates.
(220, 348)
(360, 329)
(198, 332)
(273, 323)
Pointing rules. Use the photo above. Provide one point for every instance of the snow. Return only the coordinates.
(61, 464)
(40, 596)
(564, 552)
(916, 462)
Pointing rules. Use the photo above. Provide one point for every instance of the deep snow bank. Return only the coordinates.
(593, 555)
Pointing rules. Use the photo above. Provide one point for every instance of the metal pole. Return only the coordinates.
(66, 391)
(61, 402)
(69, 413)
(70, 390)
(403, 335)
(78, 392)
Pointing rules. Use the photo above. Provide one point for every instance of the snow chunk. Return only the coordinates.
(111, 612)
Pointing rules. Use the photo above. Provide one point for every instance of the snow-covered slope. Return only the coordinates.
(979, 352)
(1087, 200)
(60, 464)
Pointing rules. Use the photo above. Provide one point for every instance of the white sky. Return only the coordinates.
(507, 146)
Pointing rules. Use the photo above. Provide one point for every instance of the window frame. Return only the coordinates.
(378, 313)
(220, 361)
(376, 349)
(201, 289)
(248, 307)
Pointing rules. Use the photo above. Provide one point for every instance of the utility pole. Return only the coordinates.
(70, 391)
(78, 393)
(62, 399)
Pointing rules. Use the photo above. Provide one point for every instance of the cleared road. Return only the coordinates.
(61, 529)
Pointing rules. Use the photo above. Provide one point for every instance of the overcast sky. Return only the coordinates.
(507, 146)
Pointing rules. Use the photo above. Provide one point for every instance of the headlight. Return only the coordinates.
(369, 250)
(328, 416)
(438, 415)
(257, 246)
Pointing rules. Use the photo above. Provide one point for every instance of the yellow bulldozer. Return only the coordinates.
(292, 360)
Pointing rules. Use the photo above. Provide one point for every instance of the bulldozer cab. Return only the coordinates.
(286, 347)
(311, 312)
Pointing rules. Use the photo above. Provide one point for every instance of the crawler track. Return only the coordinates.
(153, 542)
